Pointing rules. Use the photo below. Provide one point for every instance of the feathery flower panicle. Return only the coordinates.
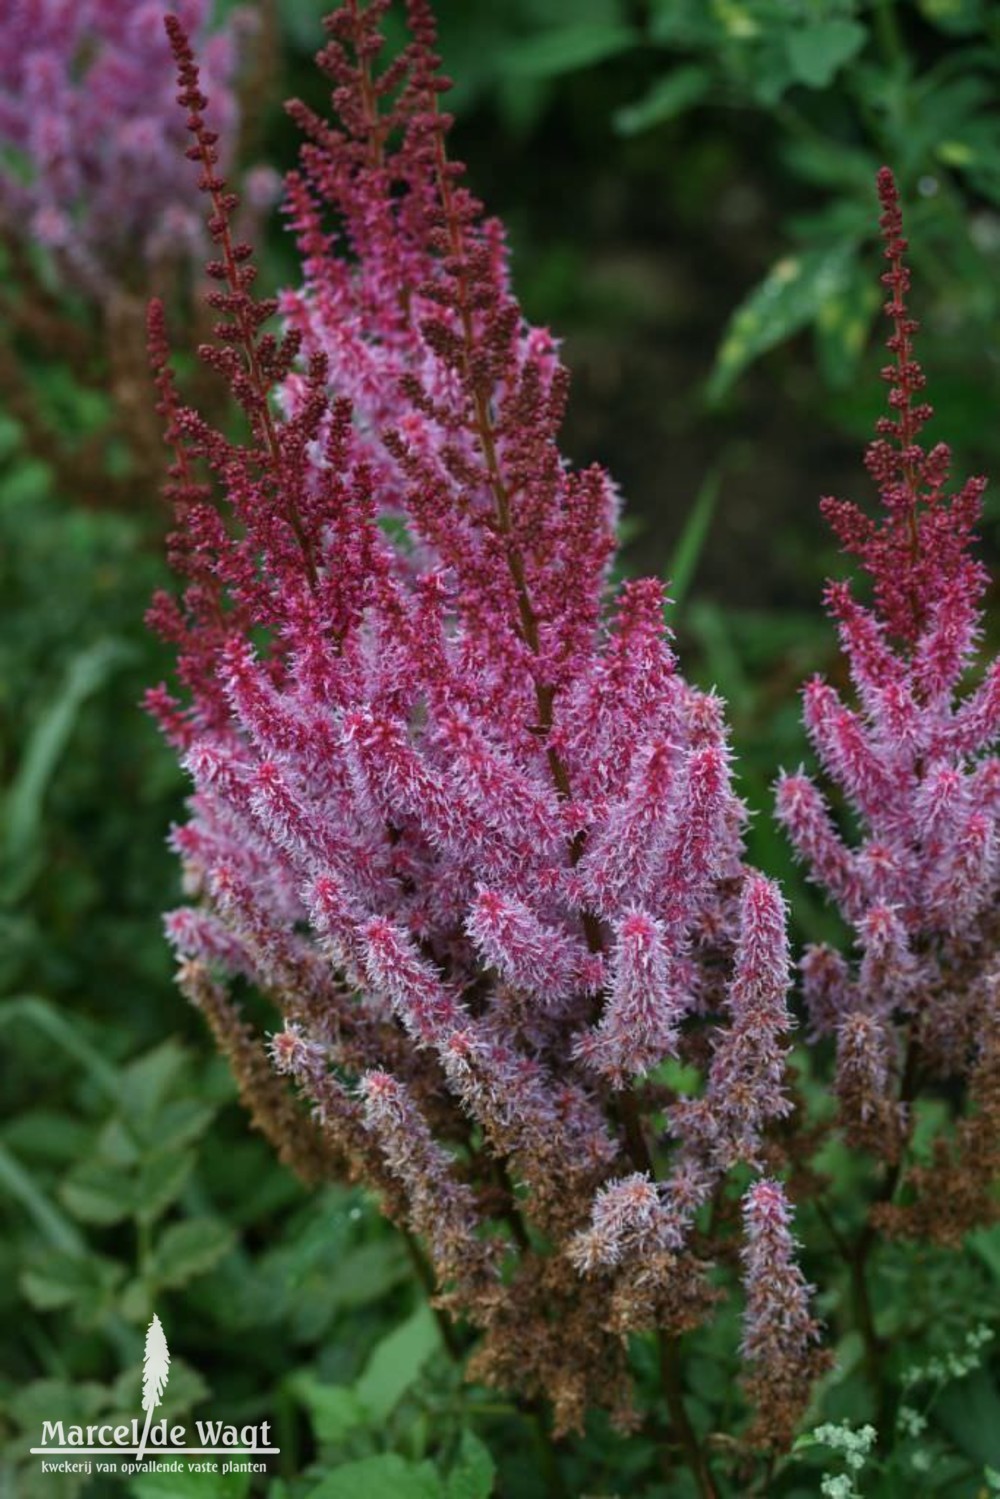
(914, 760)
(90, 126)
(780, 1335)
(456, 813)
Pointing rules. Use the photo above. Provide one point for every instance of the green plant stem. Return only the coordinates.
(673, 1390)
(859, 1256)
(669, 1349)
(635, 1139)
(887, 30)
(512, 1215)
(426, 1277)
(548, 1462)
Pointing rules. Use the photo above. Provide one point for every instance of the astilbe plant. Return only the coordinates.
(912, 762)
(89, 125)
(457, 812)
(94, 215)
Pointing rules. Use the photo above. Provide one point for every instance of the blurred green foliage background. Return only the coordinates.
(689, 191)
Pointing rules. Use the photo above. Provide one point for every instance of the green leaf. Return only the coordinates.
(97, 1193)
(831, 164)
(82, 1281)
(366, 1273)
(87, 671)
(474, 1472)
(668, 98)
(146, 1081)
(843, 324)
(136, 1302)
(985, 1243)
(693, 537)
(161, 1179)
(385, 1477)
(789, 298)
(45, 1136)
(47, 1018)
(177, 1123)
(60, 1233)
(397, 1361)
(959, 17)
(969, 1410)
(334, 1409)
(566, 48)
(817, 52)
(117, 1144)
(188, 1249)
(54, 1400)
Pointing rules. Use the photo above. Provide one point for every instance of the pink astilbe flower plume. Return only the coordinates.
(91, 133)
(914, 760)
(780, 1335)
(456, 811)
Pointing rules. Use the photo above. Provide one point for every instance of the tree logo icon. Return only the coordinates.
(155, 1373)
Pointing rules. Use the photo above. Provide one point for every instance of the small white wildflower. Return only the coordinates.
(910, 1421)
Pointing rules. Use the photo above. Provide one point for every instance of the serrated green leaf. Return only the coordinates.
(385, 1477)
(566, 48)
(176, 1124)
(56, 1400)
(147, 1080)
(789, 298)
(84, 1282)
(136, 1302)
(397, 1361)
(117, 1144)
(45, 1136)
(474, 1472)
(188, 1249)
(818, 51)
(668, 98)
(95, 1192)
(161, 1179)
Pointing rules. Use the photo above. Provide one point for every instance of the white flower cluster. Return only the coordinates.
(951, 1366)
(854, 1447)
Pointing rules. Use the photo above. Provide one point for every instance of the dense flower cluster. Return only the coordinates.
(780, 1335)
(914, 763)
(457, 812)
(90, 135)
